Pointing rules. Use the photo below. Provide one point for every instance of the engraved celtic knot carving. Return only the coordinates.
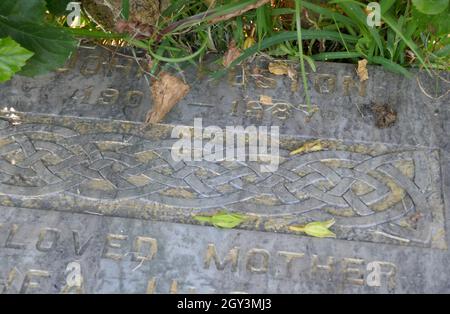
(358, 189)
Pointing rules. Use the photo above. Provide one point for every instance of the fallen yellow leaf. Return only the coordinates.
(265, 100)
(278, 68)
(223, 220)
(249, 41)
(308, 147)
(318, 229)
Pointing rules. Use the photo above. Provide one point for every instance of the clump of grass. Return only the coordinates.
(335, 30)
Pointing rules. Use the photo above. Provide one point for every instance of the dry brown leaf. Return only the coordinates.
(281, 68)
(278, 68)
(228, 16)
(167, 91)
(265, 100)
(385, 115)
(292, 73)
(232, 53)
(362, 71)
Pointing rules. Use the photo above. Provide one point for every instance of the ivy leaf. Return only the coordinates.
(436, 24)
(12, 58)
(223, 220)
(23, 10)
(51, 45)
(431, 6)
(318, 229)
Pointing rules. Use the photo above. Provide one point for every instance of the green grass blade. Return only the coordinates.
(336, 55)
(354, 11)
(392, 24)
(298, 8)
(328, 13)
(391, 66)
(286, 37)
(125, 9)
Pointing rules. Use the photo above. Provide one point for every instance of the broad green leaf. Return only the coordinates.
(52, 46)
(445, 51)
(431, 6)
(318, 229)
(223, 220)
(386, 5)
(438, 24)
(57, 7)
(12, 58)
(23, 10)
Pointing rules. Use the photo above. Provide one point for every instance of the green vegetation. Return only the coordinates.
(413, 33)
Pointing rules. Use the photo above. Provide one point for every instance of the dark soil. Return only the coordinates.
(385, 116)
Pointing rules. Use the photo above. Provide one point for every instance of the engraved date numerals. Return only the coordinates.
(112, 96)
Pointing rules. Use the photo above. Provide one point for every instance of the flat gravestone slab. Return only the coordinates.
(101, 83)
(89, 203)
(375, 192)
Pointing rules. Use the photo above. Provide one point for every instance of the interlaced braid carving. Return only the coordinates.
(358, 190)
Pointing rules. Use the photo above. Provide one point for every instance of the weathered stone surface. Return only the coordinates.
(375, 192)
(103, 199)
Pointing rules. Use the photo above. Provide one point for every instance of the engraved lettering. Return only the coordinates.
(91, 65)
(290, 257)
(281, 111)
(315, 266)
(79, 249)
(12, 275)
(139, 244)
(87, 93)
(349, 84)
(254, 110)
(114, 64)
(109, 244)
(70, 63)
(234, 108)
(325, 83)
(134, 98)
(353, 275)
(48, 239)
(108, 97)
(232, 258)
(258, 267)
(29, 283)
(173, 287)
(151, 286)
(9, 244)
